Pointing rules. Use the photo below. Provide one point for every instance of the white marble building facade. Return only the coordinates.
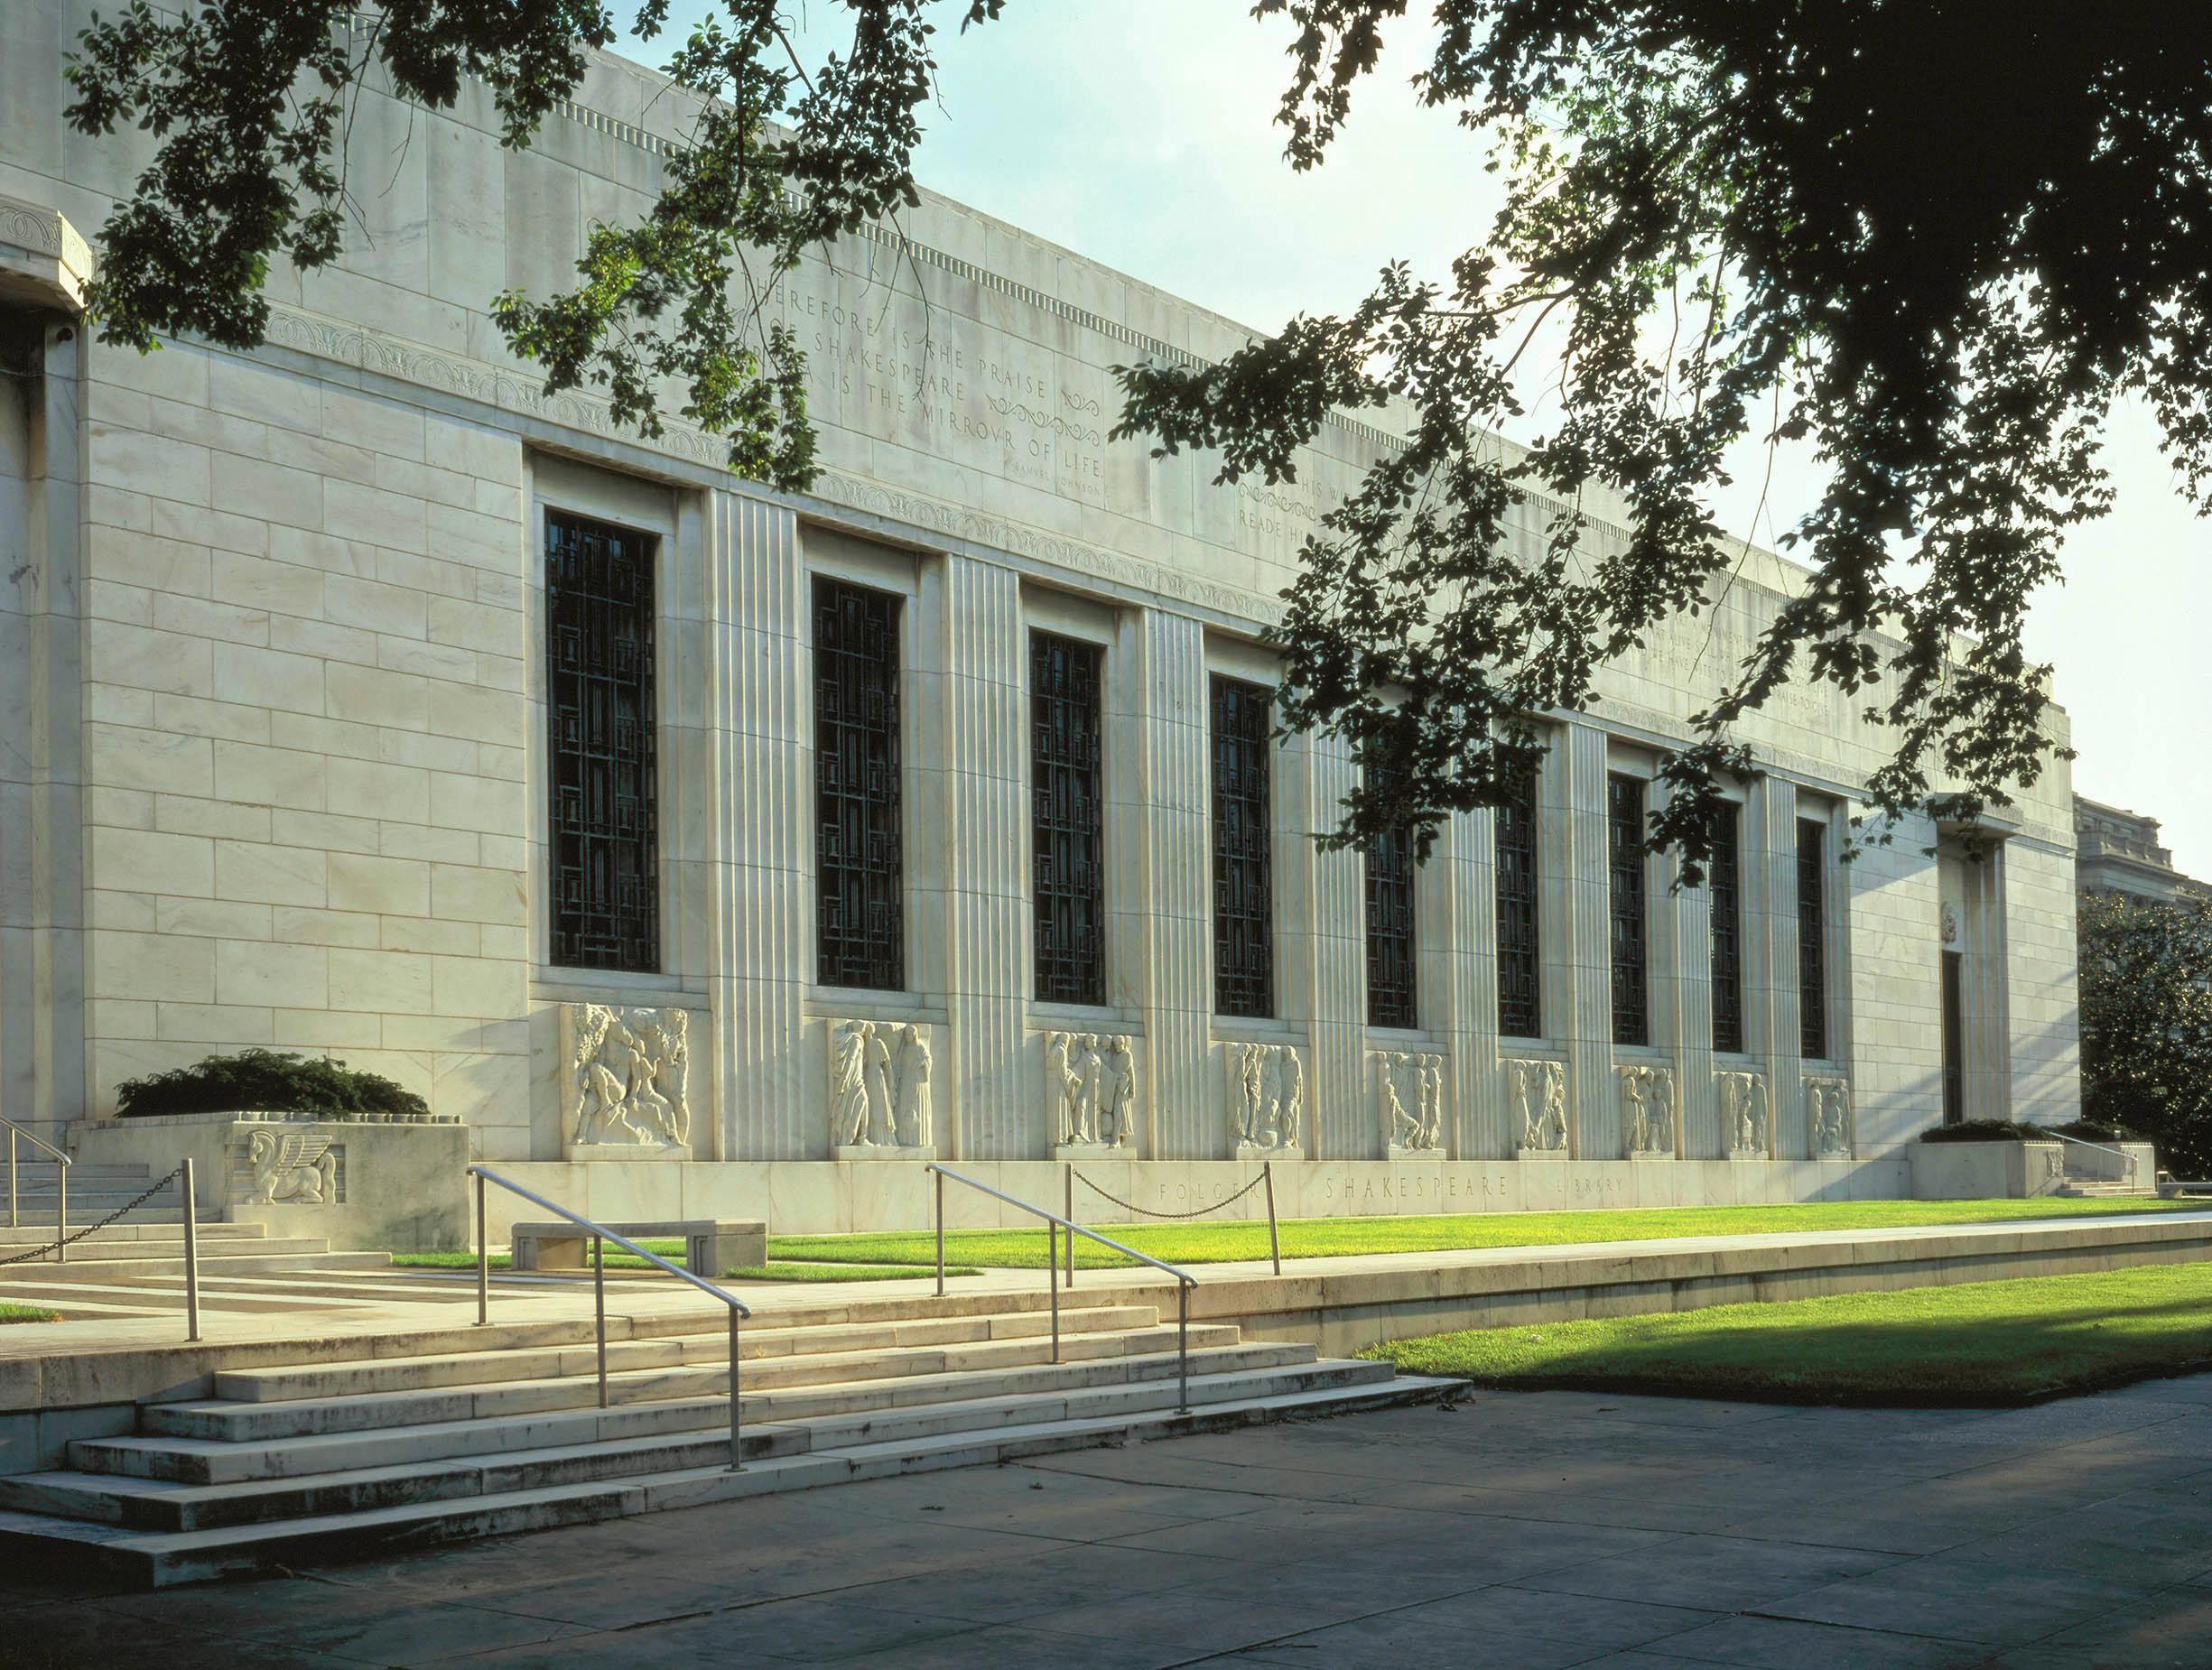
(278, 766)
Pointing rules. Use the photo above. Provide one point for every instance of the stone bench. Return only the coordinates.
(710, 1245)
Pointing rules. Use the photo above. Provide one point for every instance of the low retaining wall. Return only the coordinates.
(1986, 1171)
(831, 1197)
(1346, 1312)
(375, 1187)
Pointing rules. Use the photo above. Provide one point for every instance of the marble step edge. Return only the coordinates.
(96, 1267)
(287, 1382)
(143, 1225)
(155, 1505)
(370, 1411)
(162, 1559)
(180, 1460)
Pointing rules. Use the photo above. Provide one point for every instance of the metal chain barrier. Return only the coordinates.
(1131, 1206)
(74, 1236)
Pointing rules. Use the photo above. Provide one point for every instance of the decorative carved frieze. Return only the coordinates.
(1267, 1097)
(880, 1091)
(1409, 1102)
(1827, 1117)
(294, 1168)
(626, 1080)
(1648, 1111)
(1092, 1078)
(1745, 1119)
(1539, 1093)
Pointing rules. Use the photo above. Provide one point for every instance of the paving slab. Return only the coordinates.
(2008, 1544)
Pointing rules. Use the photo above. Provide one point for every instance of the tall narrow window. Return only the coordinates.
(1392, 999)
(860, 938)
(599, 687)
(1243, 889)
(1520, 1010)
(1724, 884)
(1812, 947)
(1954, 1037)
(1625, 867)
(1067, 820)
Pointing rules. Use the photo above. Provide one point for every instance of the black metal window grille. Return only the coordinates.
(1954, 1037)
(1393, 998)
(1243, 889)
(1725, 885)
(1812, 945)
(860, 924)
(605, 827)
(1520, 1010)
(1067, 818)
(1624, 867)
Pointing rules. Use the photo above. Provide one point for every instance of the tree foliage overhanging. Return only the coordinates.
(1932, 239)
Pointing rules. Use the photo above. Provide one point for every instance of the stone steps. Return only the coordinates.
(143, 1225)
(119, 1553)
(95, 1260)
(459, 1432)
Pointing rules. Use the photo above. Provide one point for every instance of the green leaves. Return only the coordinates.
(2146, 1022)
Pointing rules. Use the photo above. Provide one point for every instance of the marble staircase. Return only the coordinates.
(145, 1239)
(321, 1457)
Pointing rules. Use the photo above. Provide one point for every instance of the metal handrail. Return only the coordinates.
(2127, 1160)
(1054, 1224)
(61, 1183)
(601, 1236)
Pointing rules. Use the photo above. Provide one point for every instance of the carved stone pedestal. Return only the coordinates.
(881, 1151)
(1640, 1155)
(1251, 1153)
(1089, 1150)
(626, 1152)
(1746, 1155)
(1540, 1154)
(1398, 1150)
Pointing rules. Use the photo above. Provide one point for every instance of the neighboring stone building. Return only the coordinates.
(2118, 852)
(706, 846)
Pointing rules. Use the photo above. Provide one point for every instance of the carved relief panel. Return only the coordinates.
(1409, 1102)
(1827, 1117)
(1267, 1099)
(880, 1091)
(1648, 1111)
(1537, 1093)
(292, 1168)
(1746, 1121)
(1091, 1085)
(626, 1081)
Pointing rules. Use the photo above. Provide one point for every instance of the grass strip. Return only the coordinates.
(28, 1313)
(775, 1270)
(1976, 1343)
(1322, 1238)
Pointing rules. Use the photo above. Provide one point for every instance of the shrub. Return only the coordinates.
(272, 1081)
(1985, 1130)
(2094, 1130)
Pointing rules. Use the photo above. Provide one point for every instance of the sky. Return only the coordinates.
(1141, 134)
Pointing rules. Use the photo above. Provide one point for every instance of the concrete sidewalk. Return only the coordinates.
(1511, 1532)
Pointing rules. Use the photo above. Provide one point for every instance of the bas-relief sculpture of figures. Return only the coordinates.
(1828, 1116)
(1094, 1080)
(879, 1085)
(292, 1168)
(629, 1076)
(1539, 1089)
(1743, 1114)
(1266, 1097)
(1409, 1101)
(1648, 1110)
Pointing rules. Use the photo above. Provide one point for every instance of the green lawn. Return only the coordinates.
(776, 1270)
(27, 1313)
(1321, 1237)
(1982, 1342)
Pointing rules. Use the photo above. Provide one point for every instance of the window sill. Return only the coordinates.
(1069, 1017)
(865, 1003)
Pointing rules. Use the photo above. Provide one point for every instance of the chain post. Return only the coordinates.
(62, 1188)
(192, 1254)
(1071, 1233)
(1275, 1242)
(737, 1435)
(483, 1258)
(598, 1306)
(1052, 1276)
